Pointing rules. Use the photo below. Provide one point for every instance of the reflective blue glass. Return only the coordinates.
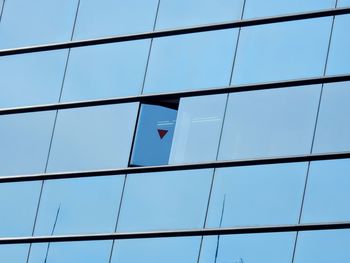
(198, 128)
(93, 138)
(14, 253)
(114, 17)
(343, 3)
(154, 135)
(193, 61)
(170, 250)
(269, 123)
(24, 142)
(182, 13)
(26, 23)
(257, 8)
(339, 54)
(282, 51)
(31, 78)
(257, 195)
(323, 246)
(103, 71)
(333, 127)
(327, 193)
(272, 248)
(18, 204)
(89, 252)
(166, 200)
(75, 206)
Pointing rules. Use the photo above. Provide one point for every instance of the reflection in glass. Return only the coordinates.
(198, 127)
(170, 250)
(93, 138)
(24, 142)
(18, 204)
(78, 206)
(192, 61)
(269, 123)
(333, 127)
(105, 71)
(257, 195)
(327, 194)
(165, 200)
(31, 79)
(14, 253)
(182, 13)
(154, 134)
(281, 51)
(271, 248)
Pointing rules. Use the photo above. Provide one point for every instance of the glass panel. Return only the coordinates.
(154, 135)
(104, 71)
(26, 23)
(166, 200)
(198, 127)
(281, 122)
(14, 253)
(184, 13)
(272, 248)
(282, 51)
(170, 250)
(327, 194)
(77, 206)
(193, 61)
(114, 17)
(18, 204)
(333, 127)
(93, 138)
(87, 252)
(339, 54)
(323, 246)
(343, 3)
(31, 78)
(257, 195)
(24, 142)
(258, 8)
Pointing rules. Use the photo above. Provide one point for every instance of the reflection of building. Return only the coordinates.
(244, 119)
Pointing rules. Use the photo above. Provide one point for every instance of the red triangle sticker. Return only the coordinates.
(162, 133)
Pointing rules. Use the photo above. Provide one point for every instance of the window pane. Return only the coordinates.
(272, 248)
(323, 246)
(114, 17)
(24, 142)
(154, 135)
(257, 8)
(14, 253)
(170, 250)
(333, 127)
(343, 3)
(339, 54)
(104, 71)
(26, 23)
(182, 13)
(31, 78)
(280, 123)
(18, 204)
(78, 206)
(166, 200)
(327, 194)
(193, 61)
(282, 51)
(257, 195)
(198, 128)
(87, 252)
(93, 138)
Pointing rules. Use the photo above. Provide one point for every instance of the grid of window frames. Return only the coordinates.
(256, 124)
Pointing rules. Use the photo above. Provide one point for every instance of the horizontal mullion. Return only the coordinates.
(177, 233)
(175, 95)
(178, 31)
(176, 167)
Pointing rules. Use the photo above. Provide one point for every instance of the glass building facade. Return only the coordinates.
(175, 132)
